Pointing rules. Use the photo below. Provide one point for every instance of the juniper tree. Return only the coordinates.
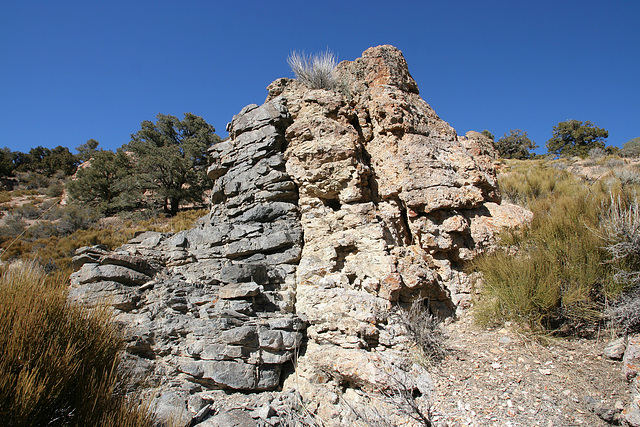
(576, 138)
(170, 159)
(516, 145)
(106, 183)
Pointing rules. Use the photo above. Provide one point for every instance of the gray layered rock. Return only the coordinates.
(212, 307)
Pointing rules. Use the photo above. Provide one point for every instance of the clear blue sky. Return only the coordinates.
(75, 70)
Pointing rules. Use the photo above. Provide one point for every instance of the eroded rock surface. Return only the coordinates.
(331, 210)
(212, 307)
(393, 202)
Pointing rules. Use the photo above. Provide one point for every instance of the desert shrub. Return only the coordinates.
(293, 410)
(34, 181)
(559, 277)
(41, 230)
(55, 189)
(5, 196)
(628, 176)
(27, 211)
(559, 165)
(315, 71)
(613, 162)
(12, 226)
(394, 403)
(620, 229)
(424, 330)
(624, 313)
(72, 217)
(597, 153)
(59, 363)
(631, 148)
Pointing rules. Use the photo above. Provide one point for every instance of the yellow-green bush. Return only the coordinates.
(59, 363)
(554, 274)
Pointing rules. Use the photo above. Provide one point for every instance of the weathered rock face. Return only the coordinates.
(329, 209)
(212, 307)
(392, 202)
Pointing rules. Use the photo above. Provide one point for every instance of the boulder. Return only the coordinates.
(631, 360)
(91, 272)
(239, 290)
(615, 349)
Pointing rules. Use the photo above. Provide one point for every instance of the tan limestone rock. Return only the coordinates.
(392, 203)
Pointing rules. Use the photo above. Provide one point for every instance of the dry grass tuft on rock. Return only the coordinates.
(315, 71)
(59, 363)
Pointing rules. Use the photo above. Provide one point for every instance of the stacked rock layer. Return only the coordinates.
(331, 210)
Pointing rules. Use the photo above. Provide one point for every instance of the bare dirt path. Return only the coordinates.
(500, 378)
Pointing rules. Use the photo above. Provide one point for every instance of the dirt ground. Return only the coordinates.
(501, 378)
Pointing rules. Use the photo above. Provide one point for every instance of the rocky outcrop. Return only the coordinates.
(212, 308)
(331, 211)
(393, 202)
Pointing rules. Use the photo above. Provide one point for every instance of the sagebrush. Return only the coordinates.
(620, 229)
(424, 330)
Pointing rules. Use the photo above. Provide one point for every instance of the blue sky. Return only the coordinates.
(75, 70)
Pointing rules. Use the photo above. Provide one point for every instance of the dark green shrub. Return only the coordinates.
(55, 189)
(576, 138)
(516, 145)
(106, 184)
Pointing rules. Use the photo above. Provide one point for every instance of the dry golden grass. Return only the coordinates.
(183, 220)
(55, 252)
(59, 363)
